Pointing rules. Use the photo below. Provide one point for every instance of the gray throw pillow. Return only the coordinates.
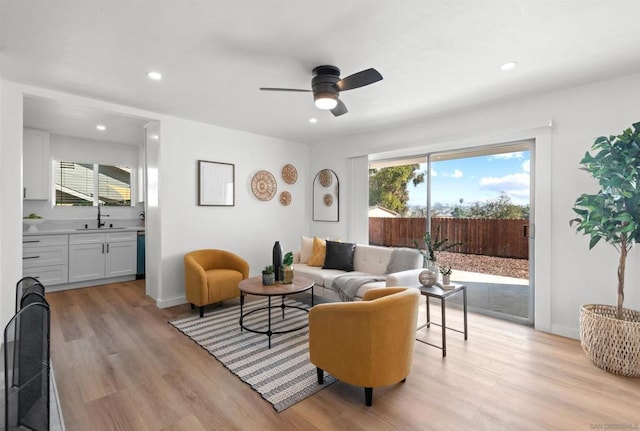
(402, 259)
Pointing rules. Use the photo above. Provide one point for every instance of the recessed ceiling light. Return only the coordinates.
(508, 66)
(313, 120)
(156, 76)
(101, 127)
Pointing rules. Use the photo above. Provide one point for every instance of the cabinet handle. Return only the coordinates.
(31, 257)
(30, 241)
(107, 247)
(102, 248)
(24, 192)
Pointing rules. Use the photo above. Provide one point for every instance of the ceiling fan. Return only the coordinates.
(326, 86)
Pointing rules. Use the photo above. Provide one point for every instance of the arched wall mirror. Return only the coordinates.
(326, 196)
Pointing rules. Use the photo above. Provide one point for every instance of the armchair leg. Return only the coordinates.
(403, 380)
(193, 307)
(201, 311)
(368, 396)
(320, 375)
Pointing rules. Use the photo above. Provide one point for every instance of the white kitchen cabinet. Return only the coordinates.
(86, 261)
(36, 165)
(102, 255)
(46, 257)
(121, 258)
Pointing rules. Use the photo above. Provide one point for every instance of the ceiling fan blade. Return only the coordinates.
(298, 90)
(340, 109)
(359, 79)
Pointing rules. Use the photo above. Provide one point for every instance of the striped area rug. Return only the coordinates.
(283, 374)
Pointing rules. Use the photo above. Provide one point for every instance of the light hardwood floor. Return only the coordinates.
(120, 366)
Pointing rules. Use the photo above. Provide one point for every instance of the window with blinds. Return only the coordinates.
(83, 184)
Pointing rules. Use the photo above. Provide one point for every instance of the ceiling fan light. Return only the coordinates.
(326, 101)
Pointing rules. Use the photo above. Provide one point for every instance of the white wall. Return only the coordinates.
(567, 273)
(4, 306)
(153, 238)
(10, 199)
(251, 226)
(69, 148)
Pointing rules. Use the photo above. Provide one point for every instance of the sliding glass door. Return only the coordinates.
(479, 198)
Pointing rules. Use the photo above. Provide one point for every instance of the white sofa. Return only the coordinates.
(367, 260)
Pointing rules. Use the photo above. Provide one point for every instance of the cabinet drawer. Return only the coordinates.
(86, 238)
(122, 236)
(44, 240)
(45, 256)
(49, 275)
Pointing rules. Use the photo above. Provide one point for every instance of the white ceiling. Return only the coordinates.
(435, 55)
(81, 122)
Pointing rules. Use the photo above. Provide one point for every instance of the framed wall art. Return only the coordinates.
(326, 196)
(216, 184)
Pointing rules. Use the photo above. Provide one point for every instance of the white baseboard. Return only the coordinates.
(89, 283)
(171, 302)
(566, 331)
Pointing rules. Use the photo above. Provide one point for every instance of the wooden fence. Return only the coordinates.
(488, 237)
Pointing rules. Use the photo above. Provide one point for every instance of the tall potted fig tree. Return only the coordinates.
(610, 335)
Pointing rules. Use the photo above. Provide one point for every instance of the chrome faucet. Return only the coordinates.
(100, 222)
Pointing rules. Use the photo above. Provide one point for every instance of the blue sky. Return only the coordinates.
(476, 179)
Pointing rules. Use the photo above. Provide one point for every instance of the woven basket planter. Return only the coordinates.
(612, 344)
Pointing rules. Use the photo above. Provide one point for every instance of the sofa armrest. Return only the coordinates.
(408, 278)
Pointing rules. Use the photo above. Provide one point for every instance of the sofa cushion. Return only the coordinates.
(339, 255)
(371, 259)
(314, 273)
(320, 277)
(306, 248)
(318, 253)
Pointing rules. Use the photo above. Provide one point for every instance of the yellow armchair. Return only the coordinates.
(366, 343)
(212, 276)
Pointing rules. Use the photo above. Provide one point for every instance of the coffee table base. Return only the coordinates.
(269, 332)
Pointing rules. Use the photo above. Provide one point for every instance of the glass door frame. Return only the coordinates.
(487, 150)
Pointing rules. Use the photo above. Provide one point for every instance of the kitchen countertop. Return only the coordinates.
(67, 230)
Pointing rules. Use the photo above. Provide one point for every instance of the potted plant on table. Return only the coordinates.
(446, 275)
(431, 245)
(287, 268)
(610, 335)
(268, 275)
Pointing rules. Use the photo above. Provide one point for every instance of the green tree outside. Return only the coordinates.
(388, 186)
